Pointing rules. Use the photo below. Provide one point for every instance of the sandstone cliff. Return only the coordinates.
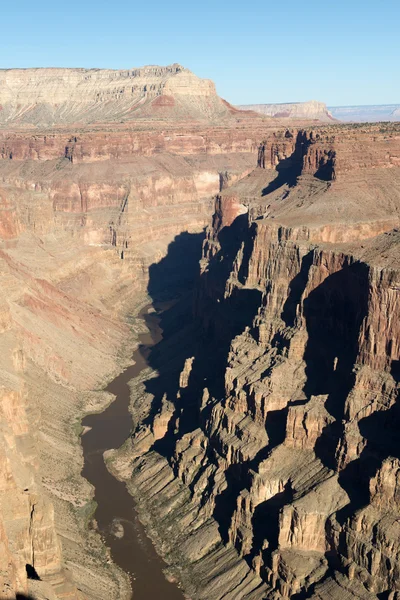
(231, 418)
(48, 97)
(83, 217)
(265, 454)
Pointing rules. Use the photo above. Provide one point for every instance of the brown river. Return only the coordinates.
(115, 513)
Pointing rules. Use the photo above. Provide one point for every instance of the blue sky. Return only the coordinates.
(342, 52)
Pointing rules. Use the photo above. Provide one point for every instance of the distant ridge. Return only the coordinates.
(293, 110)
(368, 113)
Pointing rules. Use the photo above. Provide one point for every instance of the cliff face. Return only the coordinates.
(132, 191)
(327, 152)
(90, 146)
(27, 530)
(82, 220)
(310, 378)
(257, 411)
(265, 453)
(47, 97)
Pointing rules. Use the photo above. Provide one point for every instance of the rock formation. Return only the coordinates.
(258, 454)
(84, 214)
(48, 97)
(277, 472)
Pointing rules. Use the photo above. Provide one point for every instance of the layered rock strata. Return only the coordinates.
(82, 220)
(119, 143)
(295, 110)
(47, 97)
(265, 454)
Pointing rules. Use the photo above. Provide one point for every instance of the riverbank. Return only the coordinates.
(115, 517)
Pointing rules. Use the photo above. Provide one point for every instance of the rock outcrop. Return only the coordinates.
(85, 216)
(255, 454)
(277, 474)
(48, 97)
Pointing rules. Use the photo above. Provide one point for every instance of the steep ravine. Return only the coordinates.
(264, 453)
(115, 515)
(82, 219)
(264, 458)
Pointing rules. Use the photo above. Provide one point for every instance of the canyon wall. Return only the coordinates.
(119, 143)
(264, 453)
(92, 220)
(82, 220)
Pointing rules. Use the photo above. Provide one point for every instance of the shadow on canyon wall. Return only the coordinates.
(201, 325)
(198, 321)
(179, 269)
(171, 283)
(18, 597)
(334, 313)
(31, 573)
(288, 171)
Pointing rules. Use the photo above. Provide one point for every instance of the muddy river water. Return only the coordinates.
(116, 516)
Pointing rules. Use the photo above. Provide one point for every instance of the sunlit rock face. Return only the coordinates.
(280, 460)
(49, 97)
(85, 212)
(258, 451)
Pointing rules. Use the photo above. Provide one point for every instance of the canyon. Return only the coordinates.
(264, 452)
(85, 210)
(263, 459)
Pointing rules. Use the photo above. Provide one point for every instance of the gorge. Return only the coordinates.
(115, 515)
(261, 454)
